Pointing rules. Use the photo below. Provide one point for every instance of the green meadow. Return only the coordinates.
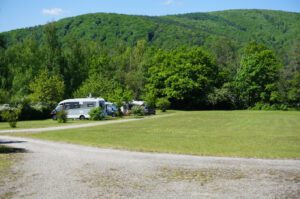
(262, 134)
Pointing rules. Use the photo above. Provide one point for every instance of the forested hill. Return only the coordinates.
(228, 59)
(276, 29)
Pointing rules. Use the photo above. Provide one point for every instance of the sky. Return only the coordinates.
(25, 13)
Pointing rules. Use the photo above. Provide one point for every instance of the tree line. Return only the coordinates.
(215, 76)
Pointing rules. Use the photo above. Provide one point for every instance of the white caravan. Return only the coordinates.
(79, 108)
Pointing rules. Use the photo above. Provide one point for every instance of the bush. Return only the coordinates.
(268, 107)
(32, 111)
(138, 111)
(150, 100)
(163, 104)
(61, 116)
(96, 114)
(11, 115)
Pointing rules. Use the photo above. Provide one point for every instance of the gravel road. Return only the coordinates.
(59, 170)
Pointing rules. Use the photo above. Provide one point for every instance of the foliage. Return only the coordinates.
(163, 104)
(268, 107)
(11, 115)
(257, 77)
(4, 96)
(294, 92)
(121, 57)
(185, 76)
(47, 88)
(96, 114)
(150, 99)
(61, 116)
(98, 86)
(138, 110)
(32, 111)
(223, 97)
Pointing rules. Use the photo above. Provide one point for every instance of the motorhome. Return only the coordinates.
(79, 108)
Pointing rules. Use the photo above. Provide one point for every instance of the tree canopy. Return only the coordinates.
(219, 60)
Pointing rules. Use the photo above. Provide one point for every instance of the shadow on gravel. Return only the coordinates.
(10, 142)
(7, 149)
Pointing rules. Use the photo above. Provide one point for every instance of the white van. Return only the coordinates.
(79, 108)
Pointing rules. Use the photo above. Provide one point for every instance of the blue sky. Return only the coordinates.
(24, 13)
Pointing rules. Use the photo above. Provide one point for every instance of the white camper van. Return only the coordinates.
(79, 108)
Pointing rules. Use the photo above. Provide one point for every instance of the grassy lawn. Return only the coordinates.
(40, 124)
(50, 122)
(216, 133)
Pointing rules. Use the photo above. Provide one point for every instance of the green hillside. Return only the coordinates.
(276, 29)
(226, 59)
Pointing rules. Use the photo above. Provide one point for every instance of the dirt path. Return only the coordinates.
(57, 170)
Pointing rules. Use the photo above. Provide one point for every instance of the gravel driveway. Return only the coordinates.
(58, 170)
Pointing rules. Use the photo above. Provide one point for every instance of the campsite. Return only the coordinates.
(149, 99)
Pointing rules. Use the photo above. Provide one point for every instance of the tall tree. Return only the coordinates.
(185, 76)
(294, 91)
(52, 49)
(257, 77)
(47, 88)
(76, 69)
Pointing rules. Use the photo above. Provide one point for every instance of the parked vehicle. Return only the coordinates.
(111, 109)
(79, 108)
(127, 107)
(4, 107)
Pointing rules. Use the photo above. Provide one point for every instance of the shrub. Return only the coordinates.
(163, 104)
(138, 111)
(268, 107)
(61, 116)
(96, 114)
(150, 100)
(11, 115)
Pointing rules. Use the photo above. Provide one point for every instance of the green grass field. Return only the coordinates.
(264, 134)
(40, 124)
(50, 123)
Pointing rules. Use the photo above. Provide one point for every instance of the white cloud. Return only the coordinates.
(52, 11)
(168, 2)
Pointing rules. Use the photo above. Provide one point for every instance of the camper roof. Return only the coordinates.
(139, 103)
(80, 100)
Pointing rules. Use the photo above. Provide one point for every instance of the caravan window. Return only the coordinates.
(88, 104)
(71, 105)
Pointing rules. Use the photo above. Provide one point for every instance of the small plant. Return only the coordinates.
(96, 114)
(11, 116)
(138, 111)
(163, 104)
(61, 116)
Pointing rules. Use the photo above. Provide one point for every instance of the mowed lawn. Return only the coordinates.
(264, 134)
(40, 124)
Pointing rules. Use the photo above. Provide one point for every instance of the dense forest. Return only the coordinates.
(234, 59)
